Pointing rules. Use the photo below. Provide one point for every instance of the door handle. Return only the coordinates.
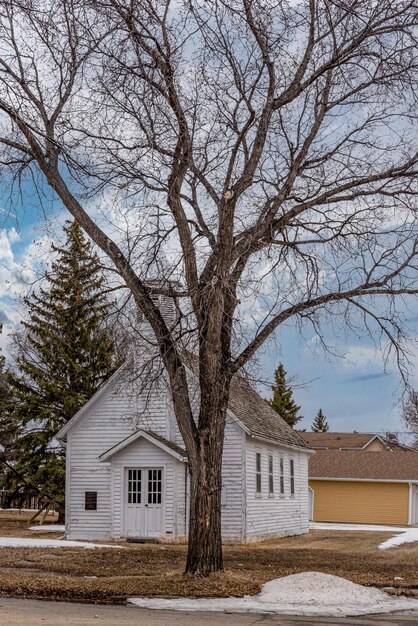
(146, 505)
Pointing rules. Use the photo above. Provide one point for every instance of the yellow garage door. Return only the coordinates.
(360, 502)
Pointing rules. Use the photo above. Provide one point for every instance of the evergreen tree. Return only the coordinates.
(7, 424)
(63, 355)
(320, 424)
(282, 401)
(9, 428)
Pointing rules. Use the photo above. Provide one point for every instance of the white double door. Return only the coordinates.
(144, 506)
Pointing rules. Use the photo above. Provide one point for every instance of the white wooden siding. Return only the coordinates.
(268, 516)
(125, 407)
(120, 411)
(143, 454)
(233, 481)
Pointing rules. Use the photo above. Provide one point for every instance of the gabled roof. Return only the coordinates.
(253, 413)
(99, 393)
(259, 418)
(364, 464)
(166, 445)
(348, 441)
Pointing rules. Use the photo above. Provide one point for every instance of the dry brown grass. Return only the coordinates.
(16, 524)
(157, 569)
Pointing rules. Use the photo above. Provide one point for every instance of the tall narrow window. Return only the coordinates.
(258, 473)
(271, 476)
(292, 477)
(281, 476)
(154, 486)
(134, 486)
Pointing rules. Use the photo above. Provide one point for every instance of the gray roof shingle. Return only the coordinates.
(258, 416)
(253, 412)
(347, 441)
(364, 464)
(170, 444)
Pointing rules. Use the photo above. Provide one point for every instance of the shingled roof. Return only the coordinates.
(258, 417)
(336, 441)
(253, 412)
(170, 444)
(363, 464)
(343, 441)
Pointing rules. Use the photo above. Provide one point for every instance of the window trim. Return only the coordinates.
(282, 489)
(258, 474)
(135, 485)
(292, 481)
(270, 467)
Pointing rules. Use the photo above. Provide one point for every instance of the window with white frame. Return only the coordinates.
(271, 475)
(258, 473)
(281, 475)
(292, 477)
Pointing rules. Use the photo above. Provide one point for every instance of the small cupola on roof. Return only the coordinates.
(163, 295)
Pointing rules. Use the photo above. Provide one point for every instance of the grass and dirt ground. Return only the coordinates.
(109, 575)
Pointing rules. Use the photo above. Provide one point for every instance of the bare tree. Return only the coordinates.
(261, 149)
(410, 415)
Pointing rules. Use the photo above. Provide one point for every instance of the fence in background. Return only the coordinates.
(9, 500)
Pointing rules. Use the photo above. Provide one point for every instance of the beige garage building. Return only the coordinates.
(367, 479)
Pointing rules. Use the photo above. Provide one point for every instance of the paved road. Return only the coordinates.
(17, 612)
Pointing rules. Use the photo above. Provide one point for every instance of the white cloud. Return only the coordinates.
(5, 246)
(363, 358)
(13, 235)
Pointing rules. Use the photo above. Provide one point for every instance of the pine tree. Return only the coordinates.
(282, 401)
(8, 426)
(320, 424)
(64, 355)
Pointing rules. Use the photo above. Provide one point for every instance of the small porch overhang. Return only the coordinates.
(154, 438)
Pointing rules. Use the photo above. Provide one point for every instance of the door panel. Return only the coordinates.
(154, 509)
(134, 508)
(143, 502)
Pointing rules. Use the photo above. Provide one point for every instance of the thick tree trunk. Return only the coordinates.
(205, 537)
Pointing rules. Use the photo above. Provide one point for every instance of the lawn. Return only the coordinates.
(104, 575)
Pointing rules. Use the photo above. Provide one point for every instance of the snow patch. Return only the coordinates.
(406, 537)
(308, 593)
(23, 542)
(49, 528)
(407, 534)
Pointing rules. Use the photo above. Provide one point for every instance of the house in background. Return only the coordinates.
(362, 478)
(127, 473)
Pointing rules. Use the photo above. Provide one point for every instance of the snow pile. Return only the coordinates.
(23, 542)
(317, 588)
(309, 593)
(408, 536)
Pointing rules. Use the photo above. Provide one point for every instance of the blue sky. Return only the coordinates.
(355, 393)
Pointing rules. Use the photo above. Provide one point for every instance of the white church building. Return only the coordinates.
(127, 470)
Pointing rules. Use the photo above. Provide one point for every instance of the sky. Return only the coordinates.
(356, 392)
